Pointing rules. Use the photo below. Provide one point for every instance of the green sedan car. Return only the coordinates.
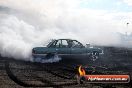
(66, 48)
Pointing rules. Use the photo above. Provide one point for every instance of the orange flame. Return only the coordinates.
(81, 71)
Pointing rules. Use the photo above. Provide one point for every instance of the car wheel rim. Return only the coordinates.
(94, 56)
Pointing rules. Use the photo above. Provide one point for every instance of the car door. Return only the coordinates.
(77, 49)
(62, 47)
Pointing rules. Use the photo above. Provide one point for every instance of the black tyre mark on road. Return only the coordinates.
(19, 82)
(12, 77)
(61, 67)
(56, 74)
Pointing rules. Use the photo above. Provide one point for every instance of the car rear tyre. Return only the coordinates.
(50, 55)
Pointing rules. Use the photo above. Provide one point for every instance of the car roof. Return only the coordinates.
(64, 39)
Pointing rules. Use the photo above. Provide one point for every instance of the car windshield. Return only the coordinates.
(76, 44)
(50, 42)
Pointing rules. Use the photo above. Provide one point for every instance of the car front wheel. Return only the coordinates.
(94, 56)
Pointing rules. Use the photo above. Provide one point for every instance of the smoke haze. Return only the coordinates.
(25, 24)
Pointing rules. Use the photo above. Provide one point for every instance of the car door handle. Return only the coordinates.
(72, 49)
(56, 49)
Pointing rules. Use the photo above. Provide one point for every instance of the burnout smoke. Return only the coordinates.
(47, 60)
(25, 24)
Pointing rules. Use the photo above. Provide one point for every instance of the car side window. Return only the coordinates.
(58, 44)
(64, 44)
(76, 44)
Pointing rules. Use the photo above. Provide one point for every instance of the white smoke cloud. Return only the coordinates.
(32, 22)
(129, 2)
(13, 41)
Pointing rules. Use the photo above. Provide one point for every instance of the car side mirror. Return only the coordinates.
(87, 45)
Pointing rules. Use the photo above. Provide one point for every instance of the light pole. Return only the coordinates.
(127, 24)
(127, 27)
